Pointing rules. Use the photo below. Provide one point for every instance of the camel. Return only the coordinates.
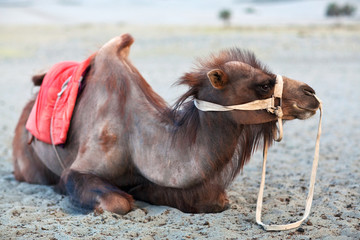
(124, 141)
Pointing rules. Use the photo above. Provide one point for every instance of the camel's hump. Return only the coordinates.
(119, 45)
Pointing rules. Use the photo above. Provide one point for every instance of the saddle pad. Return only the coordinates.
(55, 102)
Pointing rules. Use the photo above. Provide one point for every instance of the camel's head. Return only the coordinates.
(236, 78)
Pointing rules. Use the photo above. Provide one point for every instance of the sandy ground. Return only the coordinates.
(327, 57)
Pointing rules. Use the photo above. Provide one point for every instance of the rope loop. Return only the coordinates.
(311, 185)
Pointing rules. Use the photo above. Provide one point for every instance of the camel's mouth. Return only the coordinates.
(311, 105)
(304, 112)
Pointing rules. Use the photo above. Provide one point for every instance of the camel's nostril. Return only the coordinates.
(308, 90)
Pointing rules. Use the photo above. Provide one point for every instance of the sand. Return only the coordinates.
(325, 57)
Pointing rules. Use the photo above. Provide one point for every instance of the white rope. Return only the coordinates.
(268, 103)
(51, 137)
(311, 185)
(213, 107)
(63, 88)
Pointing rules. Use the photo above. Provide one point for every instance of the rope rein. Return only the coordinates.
(311, 185)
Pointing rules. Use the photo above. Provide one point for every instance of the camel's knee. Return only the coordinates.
(90, 191)
(115, 202)
(215, 203)
(17, 171)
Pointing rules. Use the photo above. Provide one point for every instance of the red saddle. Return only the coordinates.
(54, 105)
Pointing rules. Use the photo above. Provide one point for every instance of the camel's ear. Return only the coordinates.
(218, 78)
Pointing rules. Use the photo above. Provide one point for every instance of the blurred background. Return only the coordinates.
(177, 12)
(170, 32)
(314, 41)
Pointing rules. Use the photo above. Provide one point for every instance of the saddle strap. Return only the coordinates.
(311, 186)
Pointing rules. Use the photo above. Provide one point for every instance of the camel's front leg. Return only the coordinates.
(91, 191)
(198, 199)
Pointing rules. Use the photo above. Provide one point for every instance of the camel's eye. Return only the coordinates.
(265, 87)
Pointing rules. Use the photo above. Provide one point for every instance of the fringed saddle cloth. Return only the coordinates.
(50, 117)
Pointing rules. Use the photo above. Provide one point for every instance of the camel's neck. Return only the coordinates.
(183, 153)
